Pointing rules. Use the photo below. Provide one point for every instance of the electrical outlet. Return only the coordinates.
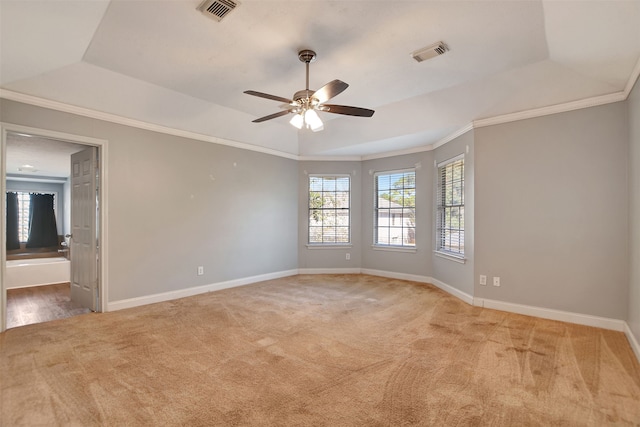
(200, 271)
(483, 280)
(348, 257)
(496, 281)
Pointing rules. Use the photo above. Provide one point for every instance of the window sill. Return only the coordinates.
(394, 249)
(329, 245)
(451, 257)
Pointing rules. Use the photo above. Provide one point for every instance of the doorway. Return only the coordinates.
(38, 161)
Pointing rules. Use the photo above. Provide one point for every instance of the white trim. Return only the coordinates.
(393, 248)
(453, 136)
(393, 172)
(394, 153)
(328, 271)
(548, 313)
(52, 134)
(314, 246)
(453, 291)
(551, 109)
(3, 226)
(329, 158)
(450, 257)
(450, 160)
(103, 185)
(422, 148)
(196, 290)
(396, 275)
(324, 175)
(421, 279)
(633, 342)
(489, 121)
(635, 74)
(545, 313)
(114, 118)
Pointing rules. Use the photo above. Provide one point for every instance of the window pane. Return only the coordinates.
(329, 184)
(394, 223)
(342, 199)
(450, 209)
(329, 209)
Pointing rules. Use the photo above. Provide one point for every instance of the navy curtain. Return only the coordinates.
(42, 223)
(13, 242)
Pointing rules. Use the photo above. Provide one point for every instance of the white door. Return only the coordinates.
(83, 240)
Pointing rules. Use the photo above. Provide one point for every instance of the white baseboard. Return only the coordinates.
(453, 291)
(329, 271)
(545, 313)
(632, 340)
(396, 275)
(423, 279)
(182, 293)
(548, 313)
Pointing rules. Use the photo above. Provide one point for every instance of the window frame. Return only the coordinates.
(441, 207)
(376, 210)
(328, 244)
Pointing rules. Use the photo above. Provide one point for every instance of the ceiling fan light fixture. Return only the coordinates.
(313, 121)
(304, 103)
(297, 121)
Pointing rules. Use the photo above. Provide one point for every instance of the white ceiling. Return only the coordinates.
(34, 158)
(164, 63)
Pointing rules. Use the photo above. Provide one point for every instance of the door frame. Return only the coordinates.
(103, 261)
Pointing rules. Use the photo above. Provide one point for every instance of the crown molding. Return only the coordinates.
(552, 109)
(114, 118)
(635, 74)
(489, 121)
(330, 158)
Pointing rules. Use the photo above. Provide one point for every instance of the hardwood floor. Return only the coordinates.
(40, 304)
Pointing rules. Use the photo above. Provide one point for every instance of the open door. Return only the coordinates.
(83, 238)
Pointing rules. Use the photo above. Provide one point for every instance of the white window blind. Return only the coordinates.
(450, 207)
(395, 208)
(329, 210)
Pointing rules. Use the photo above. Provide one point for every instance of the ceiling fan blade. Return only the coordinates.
(330, 90)
(346, 110)
(266, 95)
(272, 116)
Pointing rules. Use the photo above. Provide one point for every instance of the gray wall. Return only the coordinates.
(547, 210)
(452, 273)
(329, 257)
(551, 215)
(415, 263)
(175, 204)
(634, 211)
(27, 186)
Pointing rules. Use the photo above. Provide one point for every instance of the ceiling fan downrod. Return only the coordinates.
(307, 56)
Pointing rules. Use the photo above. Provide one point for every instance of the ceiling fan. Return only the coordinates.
(306, 102)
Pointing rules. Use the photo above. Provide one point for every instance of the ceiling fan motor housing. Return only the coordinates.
(306, 56)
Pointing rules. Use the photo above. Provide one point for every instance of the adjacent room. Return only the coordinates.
(320, 212)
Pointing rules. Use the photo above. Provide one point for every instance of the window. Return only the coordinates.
(329, 198)
(450, 207)
(395, 209)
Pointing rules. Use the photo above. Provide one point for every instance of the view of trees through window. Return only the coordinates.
(329, 199)
(395, 208)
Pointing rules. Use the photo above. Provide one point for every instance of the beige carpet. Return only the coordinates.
(347, 350)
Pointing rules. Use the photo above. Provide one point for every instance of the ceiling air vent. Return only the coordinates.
(217, 9)
(429, 52)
